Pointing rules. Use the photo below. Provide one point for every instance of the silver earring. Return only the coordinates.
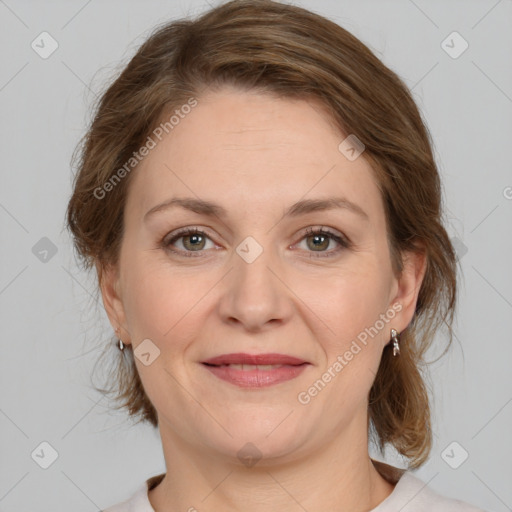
(395, 338)
(120, 344)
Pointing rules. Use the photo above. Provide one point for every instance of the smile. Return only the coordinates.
(256, 376)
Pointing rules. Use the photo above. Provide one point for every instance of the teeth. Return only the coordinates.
(264, 367)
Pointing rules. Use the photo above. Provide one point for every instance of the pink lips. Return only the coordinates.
(272, 368)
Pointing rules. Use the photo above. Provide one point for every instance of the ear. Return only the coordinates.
(408, 285)
(108, 277)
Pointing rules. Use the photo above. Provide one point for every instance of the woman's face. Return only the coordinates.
(257, 177)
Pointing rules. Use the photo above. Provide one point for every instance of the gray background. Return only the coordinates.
(53, 328)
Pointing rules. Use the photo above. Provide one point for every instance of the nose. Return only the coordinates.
(255, 296)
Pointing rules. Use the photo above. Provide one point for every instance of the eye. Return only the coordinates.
(318, 241)
(192, 240)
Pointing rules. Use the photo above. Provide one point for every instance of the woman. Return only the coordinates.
(258, 195)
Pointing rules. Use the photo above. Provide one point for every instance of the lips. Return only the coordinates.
(255, 370)
(254, 359)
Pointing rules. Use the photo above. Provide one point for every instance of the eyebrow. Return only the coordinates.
(302, 207)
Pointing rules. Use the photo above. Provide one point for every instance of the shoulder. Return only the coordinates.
(413, 495)
(139, 500)
(133, 503)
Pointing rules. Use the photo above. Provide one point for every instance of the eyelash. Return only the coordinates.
(342, 241)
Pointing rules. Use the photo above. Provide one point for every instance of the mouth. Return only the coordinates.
(257, 370)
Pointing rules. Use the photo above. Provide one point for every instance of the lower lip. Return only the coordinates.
(256, 378)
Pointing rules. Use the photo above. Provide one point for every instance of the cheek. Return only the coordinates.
(154, 301)
(350, 302)
(163, 303)
(351, 307)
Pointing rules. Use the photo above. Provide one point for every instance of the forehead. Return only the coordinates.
(247, 148)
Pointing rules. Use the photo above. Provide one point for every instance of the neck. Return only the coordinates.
(339, 476)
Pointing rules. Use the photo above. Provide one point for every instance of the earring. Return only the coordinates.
(120, 344)
(395, 338)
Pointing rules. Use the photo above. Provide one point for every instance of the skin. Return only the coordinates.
(255, 155)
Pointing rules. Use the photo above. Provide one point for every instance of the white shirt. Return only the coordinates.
(409, 495)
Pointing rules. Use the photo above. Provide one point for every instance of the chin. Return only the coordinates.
(263, 438)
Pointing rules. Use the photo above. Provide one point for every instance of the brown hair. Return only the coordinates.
(290, 52)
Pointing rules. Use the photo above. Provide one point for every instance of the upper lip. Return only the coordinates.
(255, 359)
